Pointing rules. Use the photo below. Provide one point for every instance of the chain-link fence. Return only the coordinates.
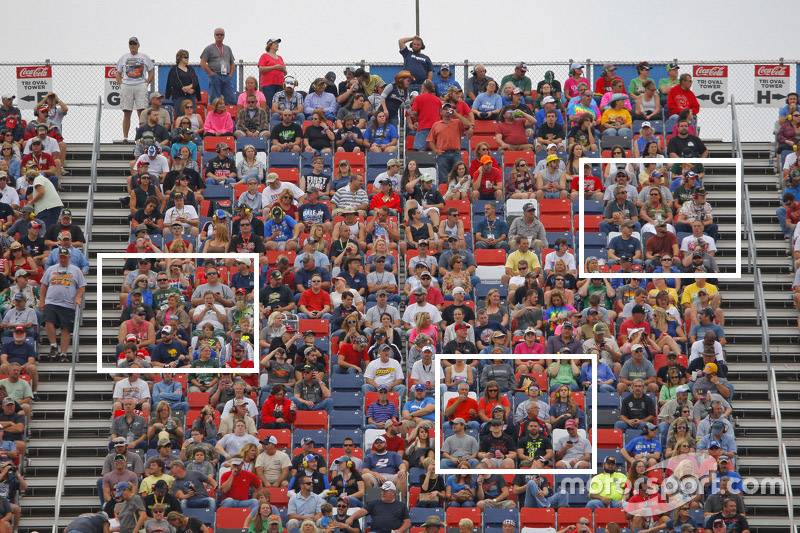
(78, 84)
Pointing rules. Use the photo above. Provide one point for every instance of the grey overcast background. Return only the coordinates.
(346, 31)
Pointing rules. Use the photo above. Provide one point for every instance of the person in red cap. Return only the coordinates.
(572, 450)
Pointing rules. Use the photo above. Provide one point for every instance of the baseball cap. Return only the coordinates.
(388, 485)
(711, 368)
(133, 40)
(307, 440)
(571, 423)
(121, 487)
(459, 420)
(682, 388)
(530, 330)
(427, 349)
(551, 157)
(646, 124)
(269, 440)
(119, 441)
(380, 438)
(166, 329)
(19, 295)
(120, 457)
(723, 459)
(237, 461)
(650, 427)
(485, 159)
(8, 401)
(600, 327)
(672, 66)
(714, 444)
(19, 329)
(548, 100)
(522, 66)
(576, 66)
(637, 347)
(63, 251)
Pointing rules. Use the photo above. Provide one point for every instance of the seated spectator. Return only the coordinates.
(488, 104)
(311, 393)
(219, 120)
(511, 133)
(606, 489)
(384, 371)
(320, 100)
(637, 410)
(551, 181)
(221, 170)
(189, 488)
(252, 120)
(572, 450)
(487, 181)
(463, 407)
(236, 486)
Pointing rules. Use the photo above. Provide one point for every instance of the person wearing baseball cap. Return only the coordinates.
(388, 513)
(671, 80)
(572, 450)
(61, 300)
(519, 79)
(64, 224)
(646, 447)
(607, 487)
(135, 72)
(576, 78)
(419, 407)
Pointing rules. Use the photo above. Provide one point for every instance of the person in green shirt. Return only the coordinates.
(665, 84)
(519, 79)
(204, 382)
(563, 372)
(606, 489)
(636, 85)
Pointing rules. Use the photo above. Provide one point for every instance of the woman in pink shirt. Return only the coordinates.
(576, 77)
(272, 71)
(424, 325)
(530, 344)
(251, 87)
(219, 121)
(617, 86)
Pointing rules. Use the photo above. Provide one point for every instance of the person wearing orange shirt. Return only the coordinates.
(462, 406)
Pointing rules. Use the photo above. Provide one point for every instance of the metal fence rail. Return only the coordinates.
(62, 470)
(78, 83)
(763, 322)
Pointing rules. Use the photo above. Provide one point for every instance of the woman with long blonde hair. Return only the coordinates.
(221, 239)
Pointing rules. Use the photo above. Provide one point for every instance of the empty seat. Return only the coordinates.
(311, 419)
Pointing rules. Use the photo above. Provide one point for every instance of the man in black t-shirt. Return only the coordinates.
(287, 136)
(65, 224)
(277, 296)
(313, 211)
(221, 169)
(388, 513)
(497, 449)
(727, 521)
(161, 495)
(535, 447)
(461, 343)
(246, 241)
(637, 409)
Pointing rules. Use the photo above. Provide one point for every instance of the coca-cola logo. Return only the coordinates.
(772, 71)
(711, 71)
(111, 72)
(40, 71)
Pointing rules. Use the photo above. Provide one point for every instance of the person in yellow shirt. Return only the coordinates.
(616, 119)
(606, 489)
(691, 294)
(523, 252)
(661, 286)
(155, 468)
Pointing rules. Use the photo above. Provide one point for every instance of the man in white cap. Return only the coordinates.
(272, 464)
(389, 514)
(382, 465)
(236, 485)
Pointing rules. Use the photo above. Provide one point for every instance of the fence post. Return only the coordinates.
(241, 75)
(466, 76)
(590, 74)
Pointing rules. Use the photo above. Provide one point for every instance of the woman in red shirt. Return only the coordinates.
(272, 71)
(491, 397)
(278, 411)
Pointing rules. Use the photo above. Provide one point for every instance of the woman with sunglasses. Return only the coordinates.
(562, 282)
(521, 183)
(196, 122)
(183, 85)
(348, 485)
(9, 155)
(682, 429)
(490, 399)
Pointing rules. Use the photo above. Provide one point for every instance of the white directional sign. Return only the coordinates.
(710, 85)
(772, 84)
(33, 84)
(111, 88)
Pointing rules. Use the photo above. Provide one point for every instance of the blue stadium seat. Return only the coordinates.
(336, 437)
(483, 289)
(479, 207)
(218, 192)
(379, 160)
(418, 515)
(602, 454)
(327, 159)
(346, 382)
(320, 436)
(631, 434)
(594, 240)
(605, 418)
(284, 160)
(553, 235)
(206, 516)
(607, 399)
(347, 400)
(495, 517)
(415, 476)
(258, 143)
(341, 419)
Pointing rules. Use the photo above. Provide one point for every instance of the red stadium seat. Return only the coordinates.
(319, 326)
(555, 207)
(231, 517)
(510, 157)
(604, 516)
(287, 174)
(569, 516)
(535, 517)
(197, 400)
(488, 139)
(556, 222)
(284, 436)
(413, 496)
(464, 206)
(490, 257)
(210, 143)
(485, 127)
(356, 160)
(580, 399)
(454, 514)
(278, 496)
(310, 419)
(335, 453)
(592, 222)
(273, 255)
(609, 439)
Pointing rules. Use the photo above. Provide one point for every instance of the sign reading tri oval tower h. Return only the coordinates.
(772, 84)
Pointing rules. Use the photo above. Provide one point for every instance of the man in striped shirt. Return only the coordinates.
(382, 410)
(351, 197)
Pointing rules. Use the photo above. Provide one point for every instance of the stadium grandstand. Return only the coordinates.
(397, 216)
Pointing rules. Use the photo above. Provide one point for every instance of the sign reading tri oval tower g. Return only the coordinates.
(710, 85)
(772, 84)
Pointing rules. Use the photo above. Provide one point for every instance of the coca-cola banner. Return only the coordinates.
(110, 88)
(772, 84)
(710, 85)
(33, 84)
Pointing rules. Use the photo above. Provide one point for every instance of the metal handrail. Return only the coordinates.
(762, 319)
(62, 470)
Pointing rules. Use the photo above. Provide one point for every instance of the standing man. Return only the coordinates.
(217, 61)
(445, 140)
(414, 61)
(62, 289)
(135, 72)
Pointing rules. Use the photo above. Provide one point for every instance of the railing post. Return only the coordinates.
(240, 68)
(466, 76)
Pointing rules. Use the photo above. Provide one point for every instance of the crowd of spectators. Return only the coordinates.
(372, 263)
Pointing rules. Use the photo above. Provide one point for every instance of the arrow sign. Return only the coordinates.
(710, 85)
(28, 98)
(704, 97)
(772, 84)
(33, 84)
(778, 96)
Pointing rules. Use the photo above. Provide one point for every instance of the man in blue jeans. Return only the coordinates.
(217, 61)
(311, 393)
(235, 485)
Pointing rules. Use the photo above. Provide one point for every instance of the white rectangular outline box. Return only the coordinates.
(737, 274)
(160, 370)
(438, 408)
